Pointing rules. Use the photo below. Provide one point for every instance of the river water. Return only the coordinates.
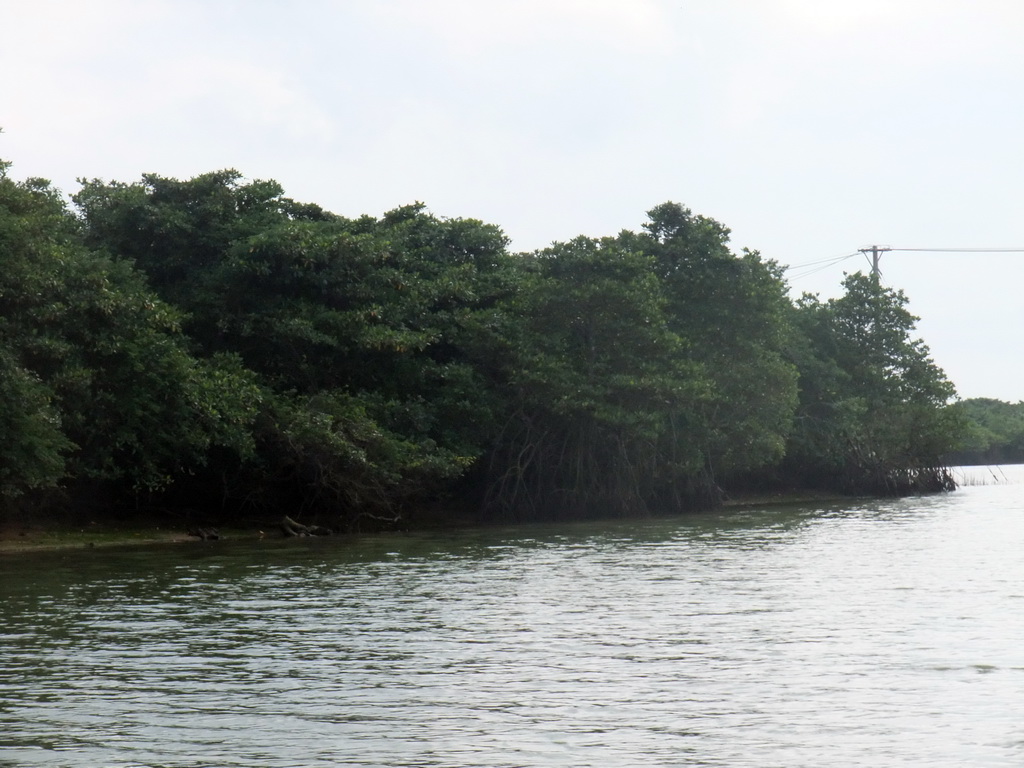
(868, 633)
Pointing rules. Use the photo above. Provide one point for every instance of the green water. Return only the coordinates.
(865, 634)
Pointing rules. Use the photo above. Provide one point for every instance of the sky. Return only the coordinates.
(810, 128)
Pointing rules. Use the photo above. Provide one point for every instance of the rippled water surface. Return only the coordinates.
(858, 634)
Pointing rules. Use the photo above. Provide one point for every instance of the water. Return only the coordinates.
(859, 634)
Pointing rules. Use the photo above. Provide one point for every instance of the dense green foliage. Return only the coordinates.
(596, 383)
(994, 435)
(98, 384)
(215, 343)
(873, 412)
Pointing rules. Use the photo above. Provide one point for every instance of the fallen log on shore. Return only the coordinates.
(294, 528)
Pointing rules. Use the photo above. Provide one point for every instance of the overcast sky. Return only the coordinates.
(811, 128)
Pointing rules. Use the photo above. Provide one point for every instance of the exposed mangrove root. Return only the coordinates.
(548, 467)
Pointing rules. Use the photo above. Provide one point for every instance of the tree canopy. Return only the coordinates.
(874, 411)
(98, 383)
(215, 341)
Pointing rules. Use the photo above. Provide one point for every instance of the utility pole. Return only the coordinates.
(876, 252)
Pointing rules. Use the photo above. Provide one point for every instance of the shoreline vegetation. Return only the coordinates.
(215, 348)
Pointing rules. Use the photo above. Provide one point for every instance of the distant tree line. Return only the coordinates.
(994, 434)
(212, 343)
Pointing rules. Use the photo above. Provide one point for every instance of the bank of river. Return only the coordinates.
(883, 633)
(32, 535)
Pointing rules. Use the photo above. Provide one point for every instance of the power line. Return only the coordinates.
(798, 271)
(874, 253)
(961, 250)
(822, 261)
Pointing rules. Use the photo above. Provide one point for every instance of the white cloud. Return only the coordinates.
(823, 16)
(809, 127)
(865, 61)
(236, 90)
(471, 28)
(118, 88)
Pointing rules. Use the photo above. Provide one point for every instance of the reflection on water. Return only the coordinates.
(875, 634)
